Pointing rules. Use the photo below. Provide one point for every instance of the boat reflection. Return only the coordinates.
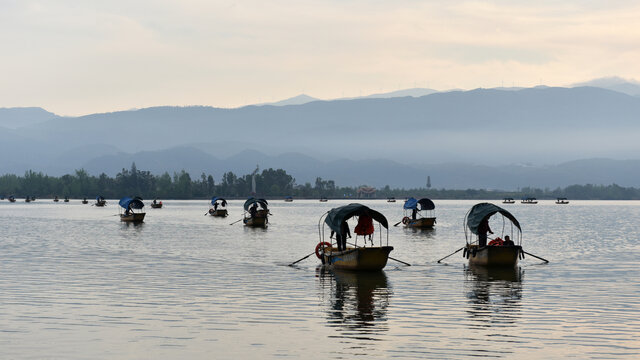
(494, 294)
(358, 302)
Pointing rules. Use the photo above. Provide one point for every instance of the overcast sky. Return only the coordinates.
(79, 57)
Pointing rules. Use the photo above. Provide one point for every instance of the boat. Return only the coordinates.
(84, 201)
(55, 198)
(130, 205)
(288, 199)
(419, 213)
(256, 212)
(218, 207)
(562, 201)
(33, 198)
(529, 200)
(323, 199)
(66, 199)
(391, 199)
(11, 198)
(508, 201)
(27, 199)
(100, 201)
(354, 257)
(497, 252)
(155, 204)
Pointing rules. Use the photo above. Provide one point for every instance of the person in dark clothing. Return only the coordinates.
(414, 214)
(341, 238)
(253, 210)
(508, 241)
(215, 206)
(483, 229)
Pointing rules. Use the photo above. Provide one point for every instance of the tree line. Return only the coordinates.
(270, 183)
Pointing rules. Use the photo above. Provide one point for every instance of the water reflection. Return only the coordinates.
(494, 294)
(358, 302)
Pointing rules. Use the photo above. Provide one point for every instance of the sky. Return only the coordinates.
(80, 57)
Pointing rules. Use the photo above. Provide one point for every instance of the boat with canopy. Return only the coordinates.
(419, 213)
(256, 212)
(130, 205)
(100, 201)
(365, 257)
(218, 207)
(66, 199)
(323, 199)
(391, 199)
(497, 252)
(85, 201)
(55, 198)
(288, 199)
(155, 204)
(11, 198)
(529, 200)
(508, 200)
(562, 201)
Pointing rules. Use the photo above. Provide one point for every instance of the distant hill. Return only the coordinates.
(13, 118)
(296, 100)
(629, 87)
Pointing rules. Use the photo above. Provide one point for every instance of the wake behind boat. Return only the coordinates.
(419, 213)
(356, 257)
(130, 205)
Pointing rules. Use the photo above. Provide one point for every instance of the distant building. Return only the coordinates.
(366, 192)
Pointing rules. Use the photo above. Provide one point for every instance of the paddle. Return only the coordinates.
(398, 223)
(394, 259)
(450, 254)
(537, 257)
(236, 221)
(297, 261)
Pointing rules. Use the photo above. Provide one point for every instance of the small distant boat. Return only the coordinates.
(1, 197)
(33, 198)
(562, 201)
(11, 198)
(130, 205)
(100, 201)
(508, 201)
(156, 204)
(256, 212)
(27, 199)
(218, 207)
(288, 199)
(496, 252)
(66, 199)
(55, 198)
(391, 199)
(323, 199)
(84, 201)
(530, 200)
(419, 213)
(356, 258)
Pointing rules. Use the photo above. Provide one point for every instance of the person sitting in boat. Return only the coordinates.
(483, 229)
(253, 210)
(507, 241)
(128, 211)
(154, 201)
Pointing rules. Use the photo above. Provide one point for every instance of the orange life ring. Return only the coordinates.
(320, 245)
(496, 242)
(405, 220)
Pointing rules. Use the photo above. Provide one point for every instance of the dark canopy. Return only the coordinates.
(250, 201)
(129, 203)
(482, 211)
(424, 203)
(223, 202)
(338, 215)
(99, 198)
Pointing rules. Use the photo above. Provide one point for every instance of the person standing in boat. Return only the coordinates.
(483, 229)
(341, 237)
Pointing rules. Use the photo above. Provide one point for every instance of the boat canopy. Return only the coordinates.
(289, 197)
(482, 211)
(99, 198)
(250, 201)
(129, 203)
(223, 202)
(425, 204)
(337, 216)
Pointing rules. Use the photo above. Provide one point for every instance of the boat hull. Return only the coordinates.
(219, 212)
(422, 223)
(100, 204)
(137, 217)
(499, 256)
(357, 259)
(257, 221)
(156, 206)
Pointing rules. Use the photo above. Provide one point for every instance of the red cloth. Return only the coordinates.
(365, 225)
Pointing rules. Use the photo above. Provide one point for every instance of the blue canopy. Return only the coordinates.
(129, 203)
(424, 203)
(250, 201)
(99, 198)
(223, 202)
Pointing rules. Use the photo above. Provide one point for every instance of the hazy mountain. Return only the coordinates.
(629, 87)
(296, 100)
(13, 118)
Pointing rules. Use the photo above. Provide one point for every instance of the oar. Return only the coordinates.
(398, 223)
(297, 261)
(236, 221)
(400, 261)
(537, 257)
(450, 254)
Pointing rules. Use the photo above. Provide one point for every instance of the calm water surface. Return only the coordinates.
(75, 283)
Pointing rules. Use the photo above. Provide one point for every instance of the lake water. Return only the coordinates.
(76, 283)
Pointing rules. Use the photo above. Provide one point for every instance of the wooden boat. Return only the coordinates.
(27, 199)
(354, 257)
(497, 252)
(562, 201)
(130, 205)
(323, 199)
(55, 199)
(218, 207)
(508, 201)
(100, 201)
(84, 201)
(419, 213)
(66, 199)
(391, 199)
(156, 204)
(530, 200)
(256, 213)
(11, 198)
(288, 199)
(33, 198)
